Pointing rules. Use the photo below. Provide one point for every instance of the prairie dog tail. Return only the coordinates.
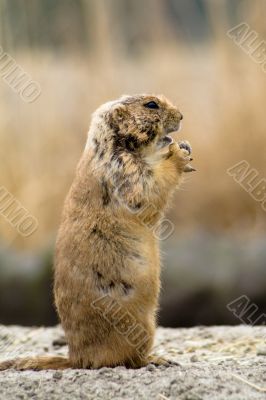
(36, 363)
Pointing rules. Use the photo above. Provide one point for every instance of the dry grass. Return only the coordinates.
(218, 88)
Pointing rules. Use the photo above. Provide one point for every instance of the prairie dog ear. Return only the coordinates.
(119, 113)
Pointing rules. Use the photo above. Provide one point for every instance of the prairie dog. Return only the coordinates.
(107, 263)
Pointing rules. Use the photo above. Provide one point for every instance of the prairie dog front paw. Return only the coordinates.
(180, 152)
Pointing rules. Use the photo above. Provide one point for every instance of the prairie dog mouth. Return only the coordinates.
(166, 140)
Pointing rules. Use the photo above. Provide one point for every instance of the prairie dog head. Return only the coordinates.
(138, 124)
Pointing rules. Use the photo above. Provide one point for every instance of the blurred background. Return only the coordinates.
(86, 52)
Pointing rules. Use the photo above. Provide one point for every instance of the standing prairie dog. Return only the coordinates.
(107, 264)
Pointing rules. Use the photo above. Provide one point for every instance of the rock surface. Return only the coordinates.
(216, 363)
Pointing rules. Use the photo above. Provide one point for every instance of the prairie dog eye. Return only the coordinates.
(152, 104)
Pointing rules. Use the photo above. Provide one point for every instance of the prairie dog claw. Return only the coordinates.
(189, 168)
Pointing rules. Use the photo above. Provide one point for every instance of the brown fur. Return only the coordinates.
(107, 256)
